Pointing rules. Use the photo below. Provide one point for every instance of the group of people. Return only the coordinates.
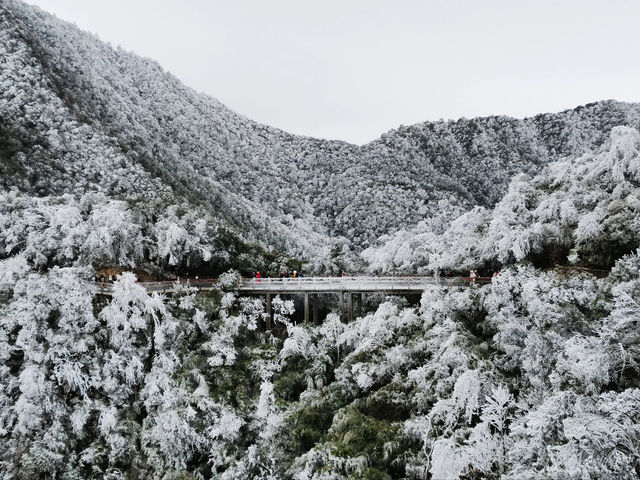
(473, 274)
(288, 274)
(284, 274)
(108, 279)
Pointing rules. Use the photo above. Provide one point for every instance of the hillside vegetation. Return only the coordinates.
(107, 161)
(79, 116)
(533, 376)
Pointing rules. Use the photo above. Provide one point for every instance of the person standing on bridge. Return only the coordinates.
(473, 274)
(258, 276)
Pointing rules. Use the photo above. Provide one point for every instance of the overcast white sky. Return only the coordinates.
(353, 69)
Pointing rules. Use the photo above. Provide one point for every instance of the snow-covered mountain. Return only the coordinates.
(534, 376)
(78, 116)
(106, 160)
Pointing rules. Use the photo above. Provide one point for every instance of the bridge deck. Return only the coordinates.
(400, 285)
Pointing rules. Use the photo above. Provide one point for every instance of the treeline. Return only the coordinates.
(94, 230)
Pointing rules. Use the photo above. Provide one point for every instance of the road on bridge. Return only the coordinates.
(356, 284)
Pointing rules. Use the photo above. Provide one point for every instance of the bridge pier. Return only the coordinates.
(315, 308)
(306, 307)
(269, 319)
(349, 307)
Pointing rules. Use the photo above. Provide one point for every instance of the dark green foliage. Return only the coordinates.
(372, 474)
(309, 425)
(390, 403)
(354, 434)
(291, 382)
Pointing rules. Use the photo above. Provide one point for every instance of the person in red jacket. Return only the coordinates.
(258, 276)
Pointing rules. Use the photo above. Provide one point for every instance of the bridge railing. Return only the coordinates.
(352, 283)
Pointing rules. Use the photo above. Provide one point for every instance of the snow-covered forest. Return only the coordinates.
(108, 163)
(79, 116)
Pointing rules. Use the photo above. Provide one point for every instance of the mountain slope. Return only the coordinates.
(78, 116)
(579, 211)
(535, 375)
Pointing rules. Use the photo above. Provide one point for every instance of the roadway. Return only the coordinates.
(354, 284)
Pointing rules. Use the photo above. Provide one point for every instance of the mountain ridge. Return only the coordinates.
(173, 141)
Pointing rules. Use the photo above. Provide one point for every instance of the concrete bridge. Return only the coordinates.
(311, 287)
